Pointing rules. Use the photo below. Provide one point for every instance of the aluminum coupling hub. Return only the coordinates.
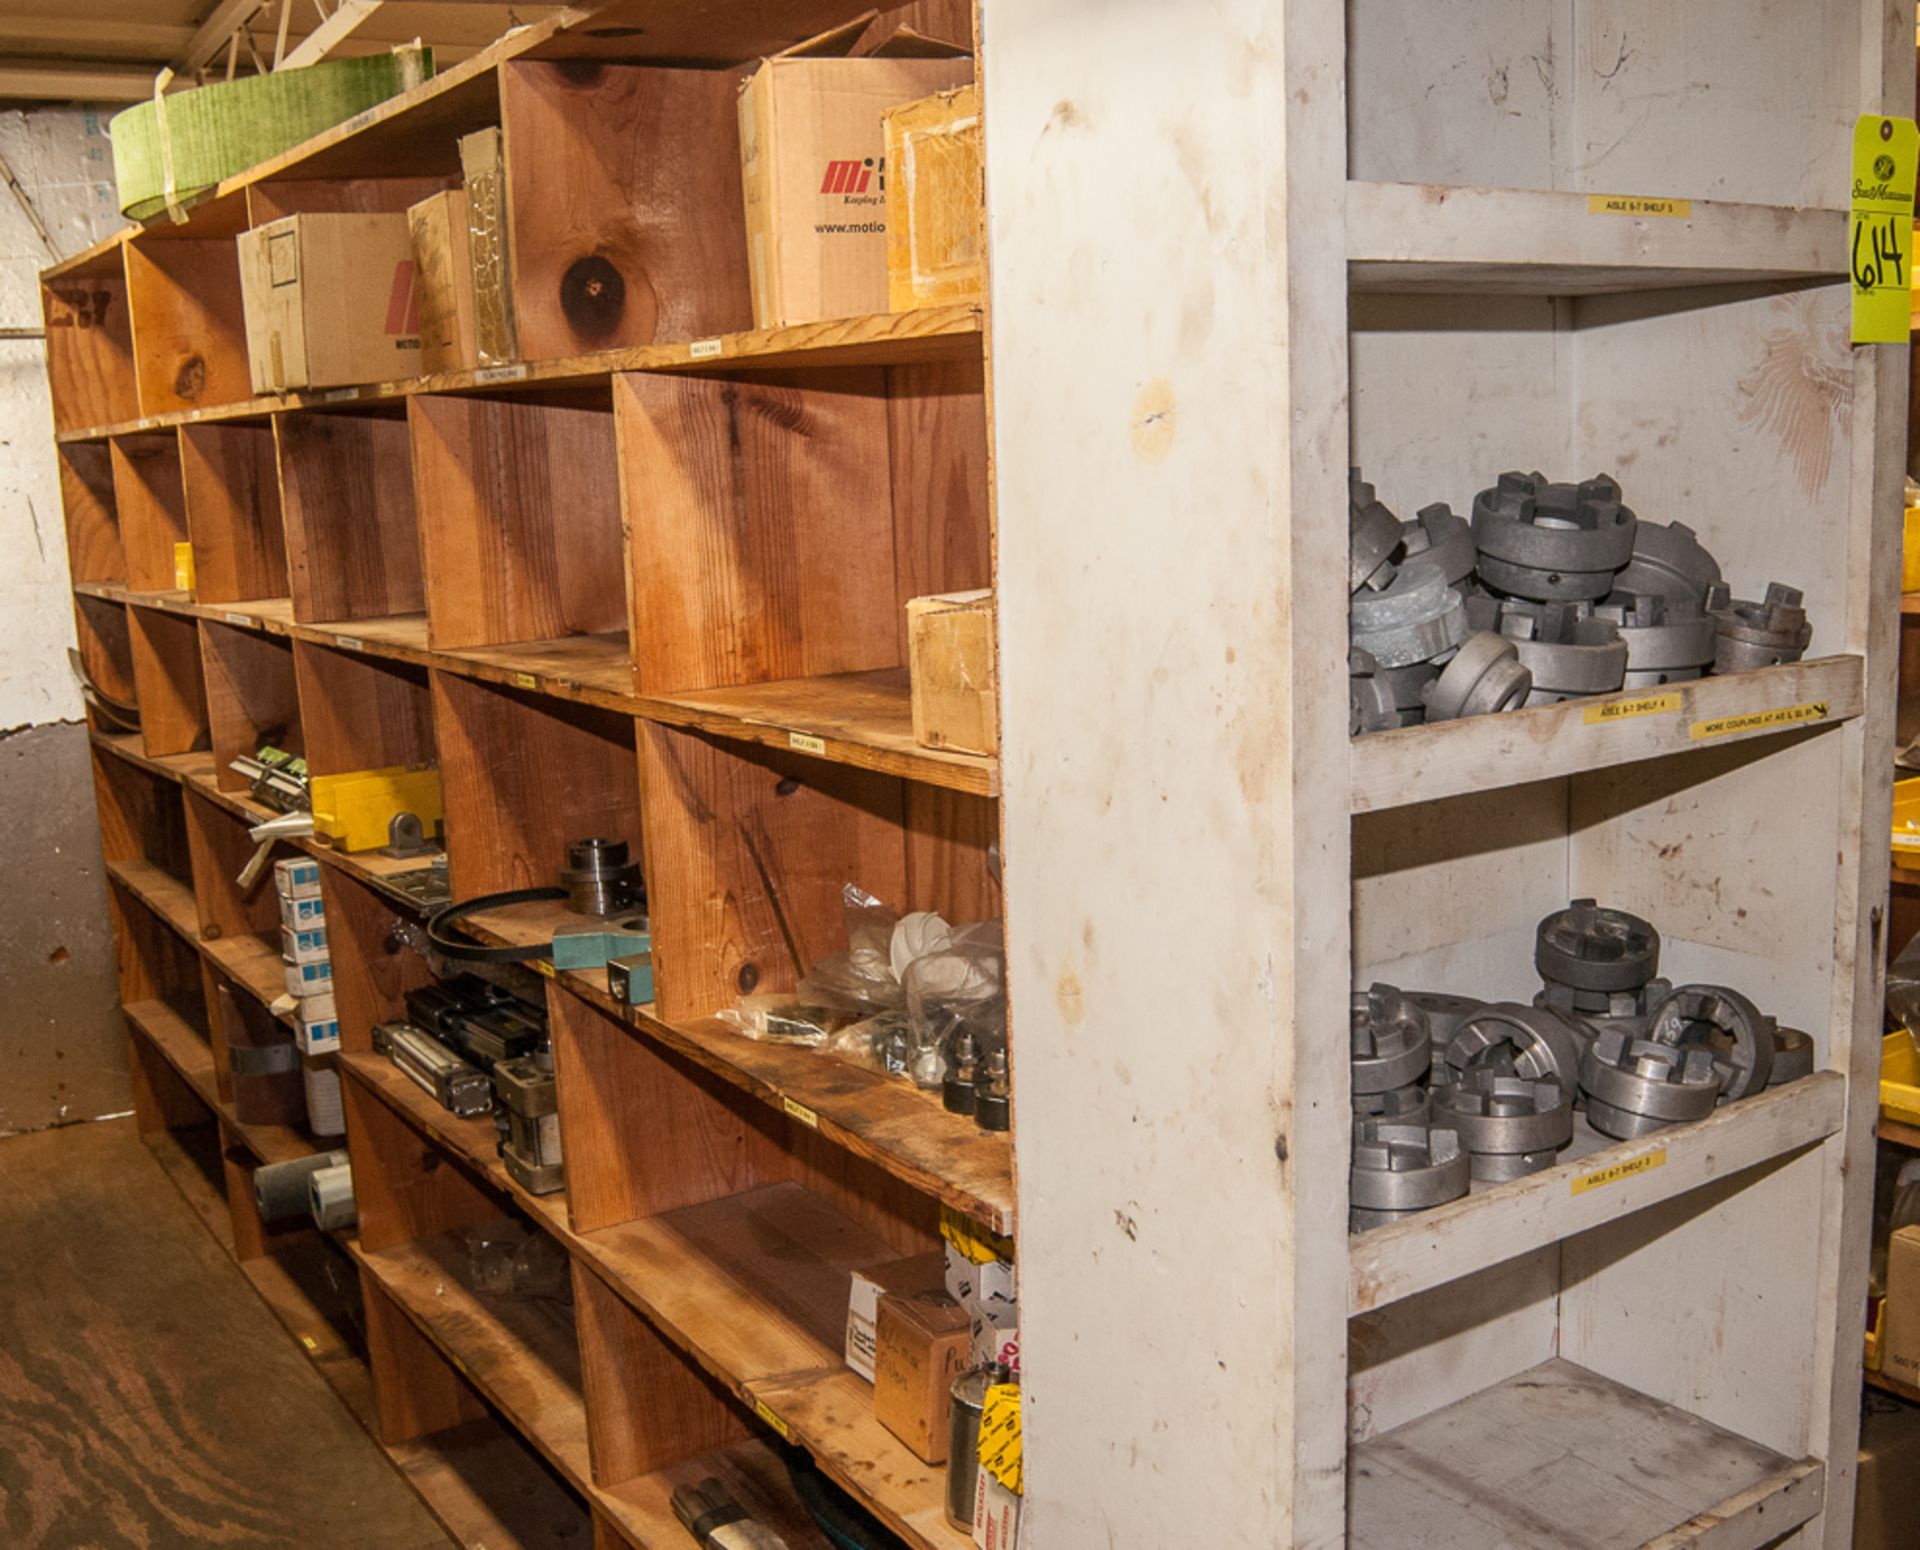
(1669, 640)
(1415, 618)
(1637, 1086)
(1370, 706)
(1401, 1167)
(1412, 1104)
(1445, 1013)
(1590, 947)
(1391, 1044)
(1724, 1023)
(1551, 542)
(1516, 1040)
(1484, 678)
(1509, 1125)
(1373, 534)
(1441, 538)
(1670, 561)
(1755, 635)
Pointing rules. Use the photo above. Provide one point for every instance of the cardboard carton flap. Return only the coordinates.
(834, 43)
(905, 43)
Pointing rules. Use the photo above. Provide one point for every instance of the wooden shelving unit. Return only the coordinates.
(696, 646)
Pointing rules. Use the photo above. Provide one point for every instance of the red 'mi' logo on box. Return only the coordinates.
(847, 177)
(403, 303)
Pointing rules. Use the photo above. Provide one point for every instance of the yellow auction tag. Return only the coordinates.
(1880, 231)
(1637, 204)
(1000, 1435)
(1759, 720)
(1626, 710)
(1600, 1178)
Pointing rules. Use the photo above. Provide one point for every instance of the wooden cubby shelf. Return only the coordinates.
(188, 1052)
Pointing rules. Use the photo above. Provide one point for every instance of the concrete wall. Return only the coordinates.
(62, 1049)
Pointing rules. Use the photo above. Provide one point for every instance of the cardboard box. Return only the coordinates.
(308, 945)
(302, 914)
(952, 661)
(483, 164)
(329, 301)
(297, 878)
(935, 204)
(310, 979)
(813, 168)
(921, 1348)
(443, 281)
(920, 1273)
(1900, 1328)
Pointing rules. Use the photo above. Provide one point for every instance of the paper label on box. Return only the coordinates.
(1600, 1178)
(1760, 720)
(1880, 228)
(1628, 710)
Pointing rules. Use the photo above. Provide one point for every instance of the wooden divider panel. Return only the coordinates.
(360, 712)
(404, 1188)
(353, 547)
(141, 818)
(519, 520)
(162, 1100)
(94, 550)
(271, 200)
(168, 681)
(233, 512)
(937, 440)
(90, 348)
(761, 521)
(221, 847)
(152, 503)
(522, 774)
(252, 1237)
(106, 651)
(748, 849)
(415, 1389)
(189, 335)
(154, 963)
(373, 969)
(624, 186)
(250, 696)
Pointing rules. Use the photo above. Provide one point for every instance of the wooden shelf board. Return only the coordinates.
(1890, 1385)
(1904, 877)
(1641, 1474)
(190, 1158)
(1433, 237)
(929, 334)
(1491, 1226)
(1910, 603)
(162, 893)
(752, 1470)
(1451, 758)
(1899, 1134)
(187, 1051)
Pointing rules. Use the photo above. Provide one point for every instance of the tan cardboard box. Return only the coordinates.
(953, 669)
(813, 168)
(443, 277)
(483, 164)
(920, 1273)
(922, 1347)
(329, 301)
(1900, 1328)
(934, 200)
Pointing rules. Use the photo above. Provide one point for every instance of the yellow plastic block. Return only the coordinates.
(355, 810)
(1900, 1078)
(1906, 823)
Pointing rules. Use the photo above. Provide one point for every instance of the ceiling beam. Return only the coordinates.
(44, 82)
(316, 45)
(211, 36)
(90, 38)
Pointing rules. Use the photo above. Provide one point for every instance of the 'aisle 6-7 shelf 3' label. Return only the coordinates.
(1880, 228)
(1760, 720)
(1600, 1178)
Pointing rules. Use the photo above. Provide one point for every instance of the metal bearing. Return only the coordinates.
(1735, 1032)
(1551, 542)
(1569, 652)
(1637, 1086)
(1669, 640)
(1516, 1040)
(1484, 677)
(1592, 948)
(1411, 1104)
(1792, 1056)
(1373, 533)
(1370, 706)
(1754, 635)
(1510, 1126)
(1415, 618)
(1400, 1168)
(1669, 561)
(1440, 538)
(1390, 1042)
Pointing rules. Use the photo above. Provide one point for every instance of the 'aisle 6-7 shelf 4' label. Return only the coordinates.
(1628, 710)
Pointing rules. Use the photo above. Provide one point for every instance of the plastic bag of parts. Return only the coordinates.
(782, 1017)
(864, 979)
(956, 989)
(1903, 988)
(506, 1259)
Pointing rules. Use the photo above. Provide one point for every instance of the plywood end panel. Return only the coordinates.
(232, 488)
(89, 351)
(353, 547)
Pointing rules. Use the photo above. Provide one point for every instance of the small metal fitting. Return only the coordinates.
(1669, 561)
(1551, 542)
(1412, 1104)
(1415, 618)
(1569, 652)
(1510, 1126)
(1400, 1168)
(1669, 640)
(1516, 1040)
(1637, 1086)
(1754, 635)
(1390, 1042)
(1735, 1032)
(1370, 706)
(1373, 534)
(1440, 538)
(1484, 677)
(1792, 1056)
(1589, 947)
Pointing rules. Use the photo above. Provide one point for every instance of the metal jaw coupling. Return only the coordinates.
(1484, 677)
(1669, 639)
(1445, 1013)
(1401, 1167)
(1515, 1040)
(1412, 1104)
(1792, 1056)
(1724, 1023)
(1668, 561)
(1590, 948)
(1568, 651)
(1370, 706)
(1415, 618)
(1637, 1086)
(1510, 1126)
(1551, 542)
(1440, 538)
(1754, 635)
(1373, 534)
(1391, 1044)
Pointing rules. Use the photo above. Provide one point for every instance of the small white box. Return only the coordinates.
(309, 946)
(315, 1009)
(302, 914)
(309, 979)
(297, 877)
(316, 1038)
(918, 1273)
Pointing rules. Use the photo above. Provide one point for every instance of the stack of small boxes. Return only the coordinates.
(303, 947)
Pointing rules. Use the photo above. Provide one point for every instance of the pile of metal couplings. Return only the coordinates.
(1447, 1089)
(1554, 591)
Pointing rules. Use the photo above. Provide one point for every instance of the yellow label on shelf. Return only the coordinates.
(1637, 204)
(703, 349)
(1000, 1435)
(1759, 720)
(976, 1242)
(525, 681)
(183, 567)
(800, 1111)
(760, 1409)
(1600, 1178)
(350, 643)
(545, 966)
(1880, 228)
(310, 1343)
(1627, 710)
(806, 744)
